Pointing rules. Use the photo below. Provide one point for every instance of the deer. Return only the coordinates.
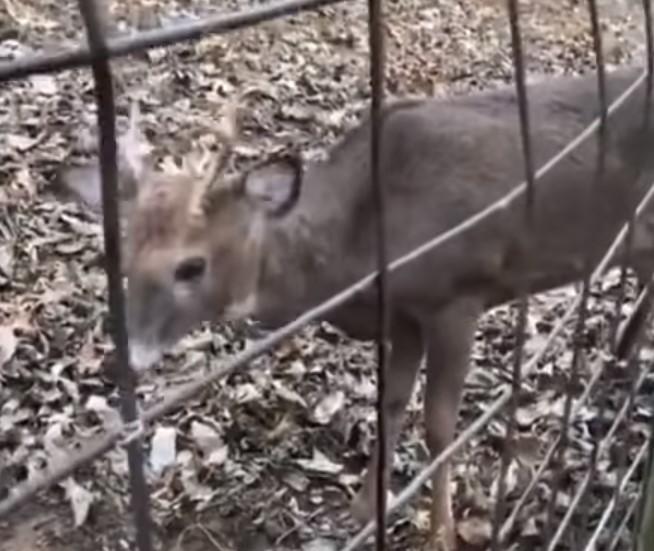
(268, 242)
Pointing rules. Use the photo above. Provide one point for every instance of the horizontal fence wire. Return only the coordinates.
(62, 469)
(216, 24)
(164, 36)
(104, 94)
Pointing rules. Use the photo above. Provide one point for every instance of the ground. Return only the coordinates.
(269, 457)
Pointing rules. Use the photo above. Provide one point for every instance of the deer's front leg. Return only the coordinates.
(407, 351)
(449, 336)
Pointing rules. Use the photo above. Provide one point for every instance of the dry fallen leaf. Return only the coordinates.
(320, 544)
(163, 451)
(320, 463)
(287, 394)
(475, 530)
(8, 343)
(328, 407)
(80, 500)
(210, 442)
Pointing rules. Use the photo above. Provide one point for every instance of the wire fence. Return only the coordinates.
(619, 511)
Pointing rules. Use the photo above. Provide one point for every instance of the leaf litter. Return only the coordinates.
(271, 457)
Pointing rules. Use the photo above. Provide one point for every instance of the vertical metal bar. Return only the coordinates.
(602, 137)
(644, 502)
(578, 353)
(140, 499)
(376, 38)
(520, 330)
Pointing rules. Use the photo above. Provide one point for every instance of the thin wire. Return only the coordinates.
(622, 526)
(520, 329)
(604, 519)
(585, 482)
(376, 38)
(140, 497)
(517, 507)
(169, 35)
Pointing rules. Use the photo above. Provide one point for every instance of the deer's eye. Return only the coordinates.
(190, 269)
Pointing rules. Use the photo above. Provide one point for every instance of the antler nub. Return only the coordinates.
(211, 166)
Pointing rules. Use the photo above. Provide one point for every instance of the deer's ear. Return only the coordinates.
(275, 186)
(83, 183)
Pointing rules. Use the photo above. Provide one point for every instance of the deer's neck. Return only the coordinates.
(292, 272)
(304, 257)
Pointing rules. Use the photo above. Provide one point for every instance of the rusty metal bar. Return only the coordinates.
(104, 93)
(621, 343)
(166, 36)
(578, 353)
(521, 325)
(189, 390)
(630, 341)
(601, 162)
(376, 44)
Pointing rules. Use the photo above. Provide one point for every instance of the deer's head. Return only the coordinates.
(194, 236)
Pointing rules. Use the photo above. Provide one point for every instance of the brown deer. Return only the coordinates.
(285, 235)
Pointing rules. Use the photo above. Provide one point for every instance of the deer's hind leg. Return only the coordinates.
(449, 336)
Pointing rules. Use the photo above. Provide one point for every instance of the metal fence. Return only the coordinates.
(98, 54)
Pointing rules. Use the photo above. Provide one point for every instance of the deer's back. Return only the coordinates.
(444, 161)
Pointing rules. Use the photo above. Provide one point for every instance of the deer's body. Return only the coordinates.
(442, 162)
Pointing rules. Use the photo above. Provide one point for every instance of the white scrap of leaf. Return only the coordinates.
(210, 442)
(328, 406)
(110, 416)
(44, 84)
(53, 440)
(511, 480)
(320, 463)
(164, 450)
(247, 393)
(80, 500)
(287, 394)
(8, 344)
(475, 530)
(320, 544)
